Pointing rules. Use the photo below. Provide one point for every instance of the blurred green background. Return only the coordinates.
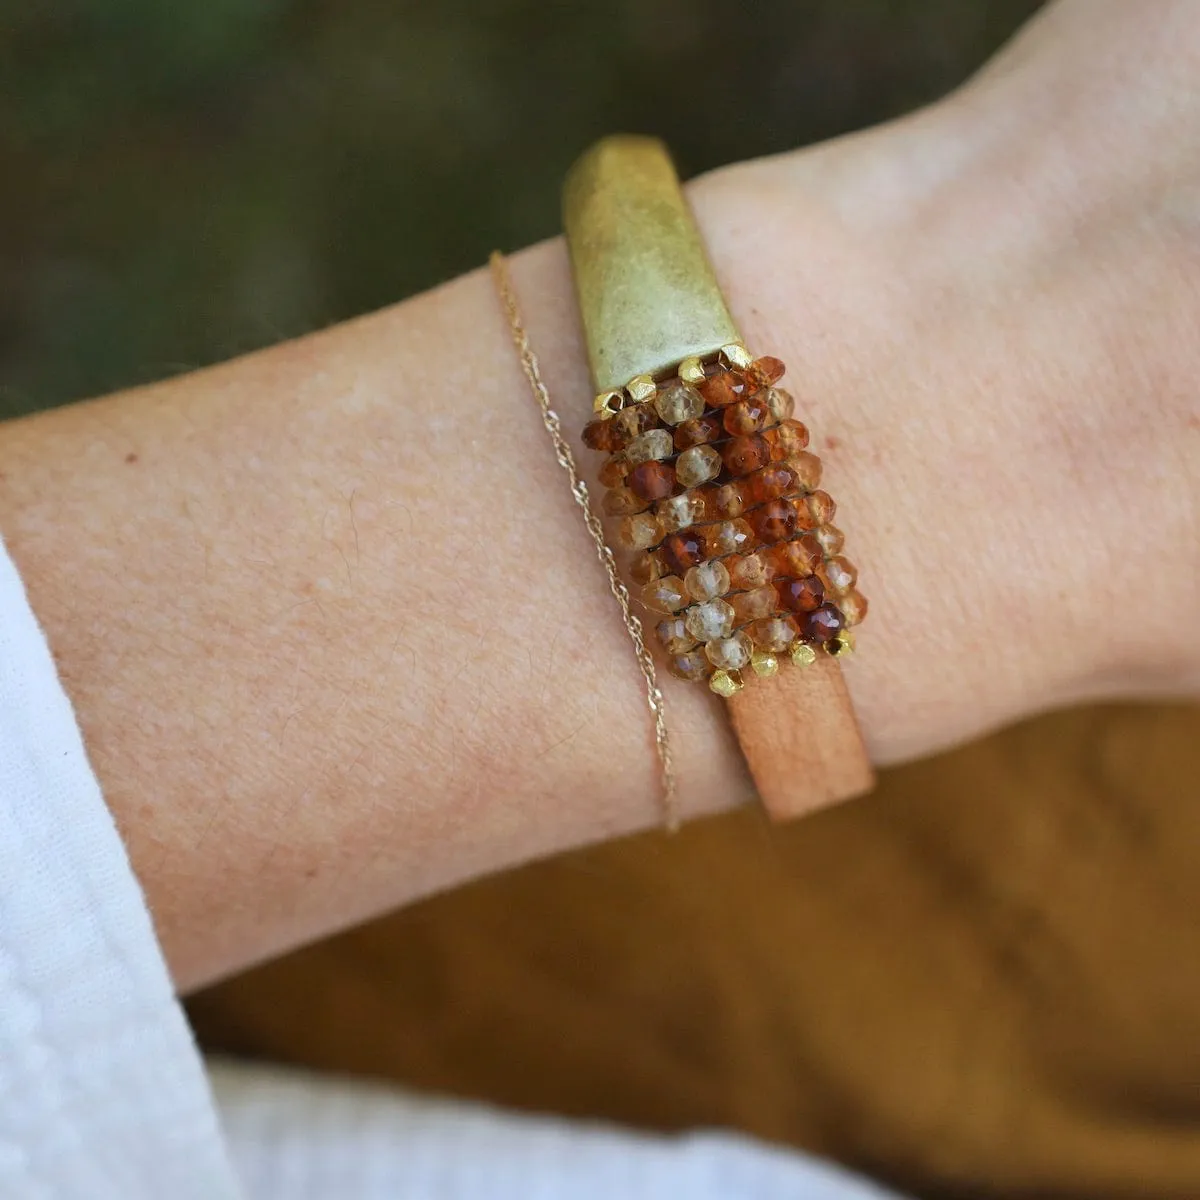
(185, 180)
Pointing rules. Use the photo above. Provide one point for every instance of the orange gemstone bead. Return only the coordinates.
(822, 507)
(725, 502)
(772, 482)
(652, 480)
(683, 550)
(765, 371)
(774, 521)
(787, 439)
(800, 595)
(804, 517)
(746, 416)
(598, 435)
(698, 431)
(743, 455)
(775, 634)
(678, 512)
(838, 575)
(647, 567)
(808, 469)
(722, 388)
(729, 537)
(623, 502)
(780, 404)
(831, 538)
(697, 465)
(747, 571)
(753, 606)
(854, 606)
(614, 470)
(639, 532)
(630, 422)
(823, 624)
(665, 595)
(796, 558)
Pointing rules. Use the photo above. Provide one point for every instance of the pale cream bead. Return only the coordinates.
(697, 465)
(709, 621)
(665, 595)
(678, 403)
(708, 581)
(654, 444)
(729, 653)
(680, 512)
(639, 532)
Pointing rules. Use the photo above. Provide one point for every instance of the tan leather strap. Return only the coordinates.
(801, 739)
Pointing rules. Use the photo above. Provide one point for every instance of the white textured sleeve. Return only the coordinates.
(102, 1092)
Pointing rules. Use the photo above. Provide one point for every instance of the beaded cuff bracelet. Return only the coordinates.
(708, 475)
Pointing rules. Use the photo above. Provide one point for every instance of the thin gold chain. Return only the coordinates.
(566, 460)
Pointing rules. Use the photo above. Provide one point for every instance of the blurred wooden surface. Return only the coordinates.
(982, 981)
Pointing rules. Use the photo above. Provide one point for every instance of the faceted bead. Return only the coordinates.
(746, 416)
(763, 372)
(780, 403)
(772, 482)
(665, 595)
(774, 521)
(787, 439)
(729, 537)
(745, 454)
(854, 606)
(680, 511)
(649, 446)
(775, 634)
(707, 581)
(692, 665)
(808, 469)
(697, 465)
(804, 515)
(764, 663)
(821, 625)
(803, 655)
(710, 620)
(673, 636)
(822, 507)
(753, 606)
(841, 645)
(838, 575)
(652, 480)
(697, 431)
(615, 468)
(831, 539)
(677, 403)
(638, 532)
(726, 683)
(729, 653)
(630, 422)
(684, 550)
(747, 571)
(647, 567)
(725, 502)
(722, 388)
(598, 435)
(796, 558)
(623, 502)
(800, 595)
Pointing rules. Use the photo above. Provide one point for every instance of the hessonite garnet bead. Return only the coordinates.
(647, 567)
(747, 571)
(698, 431)
(614, 470)
(753, 606)
(630, 422)
(800, 595)
(683, 550)
(697, 465)
(746, 416)
(722, 388)
(774, 521)
(692, 665)
(763, 372)
(652, 480)
(622, 502)
(796, 558)
(837, 574)
(787, 439)
(743, 455)
(854, 606)
(673, 636)
(775, 634)
(598, 435)
(822, 624)
(728, 537)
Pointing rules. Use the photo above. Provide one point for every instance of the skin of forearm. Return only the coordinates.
(336, 635)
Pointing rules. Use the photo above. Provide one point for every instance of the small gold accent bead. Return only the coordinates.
(803, 655)
(607, 404)
(765, 664)
(736, 355)
(726, 683)
(640, 387)
(841, 645)
(691, 371)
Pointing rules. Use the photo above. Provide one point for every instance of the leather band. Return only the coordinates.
(801, 740)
